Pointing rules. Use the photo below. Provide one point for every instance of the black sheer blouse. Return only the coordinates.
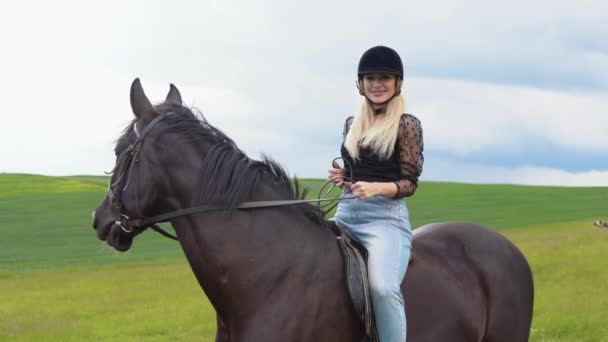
(403, 167)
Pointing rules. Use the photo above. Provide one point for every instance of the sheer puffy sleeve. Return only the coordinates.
(411, 146)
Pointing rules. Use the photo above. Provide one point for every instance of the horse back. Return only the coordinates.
(469, 279)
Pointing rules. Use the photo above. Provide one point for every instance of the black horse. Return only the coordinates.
(275, 273)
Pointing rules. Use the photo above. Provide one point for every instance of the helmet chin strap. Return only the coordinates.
(381, 110)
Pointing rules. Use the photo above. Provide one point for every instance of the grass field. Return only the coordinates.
(58, 282)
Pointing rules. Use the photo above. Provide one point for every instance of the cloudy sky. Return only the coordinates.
(507, 92)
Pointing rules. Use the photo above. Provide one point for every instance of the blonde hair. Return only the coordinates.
(382, 136)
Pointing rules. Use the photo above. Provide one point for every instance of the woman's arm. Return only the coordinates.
(411, 147)
(411, 159)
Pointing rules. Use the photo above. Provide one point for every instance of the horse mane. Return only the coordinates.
(228, 176)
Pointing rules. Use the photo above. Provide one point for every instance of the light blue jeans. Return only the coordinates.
(382, 224)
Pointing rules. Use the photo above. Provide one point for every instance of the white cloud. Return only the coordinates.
(547, 176)
(448, 170)
(465, 117)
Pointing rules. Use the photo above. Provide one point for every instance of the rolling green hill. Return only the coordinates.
(46, 221)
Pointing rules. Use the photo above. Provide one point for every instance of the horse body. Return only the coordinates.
(457, 288)
(276, 274)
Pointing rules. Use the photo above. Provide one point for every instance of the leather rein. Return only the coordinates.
(135, 226)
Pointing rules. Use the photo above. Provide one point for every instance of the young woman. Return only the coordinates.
(382, 150)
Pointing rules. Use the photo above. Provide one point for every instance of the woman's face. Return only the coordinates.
(379, 88)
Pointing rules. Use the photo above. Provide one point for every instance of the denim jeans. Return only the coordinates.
(382, 224)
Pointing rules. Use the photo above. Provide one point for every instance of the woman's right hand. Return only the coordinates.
(336, 174)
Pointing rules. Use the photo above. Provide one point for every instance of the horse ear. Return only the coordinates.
(174, 96)
(142, 108)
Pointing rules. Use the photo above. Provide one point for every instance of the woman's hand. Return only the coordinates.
(364, 190)
(336, 174)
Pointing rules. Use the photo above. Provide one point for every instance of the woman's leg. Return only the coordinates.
(389, 254)
(374, 222)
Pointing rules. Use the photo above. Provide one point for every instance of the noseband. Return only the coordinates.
(124, 167)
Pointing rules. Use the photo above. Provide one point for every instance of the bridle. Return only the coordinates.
(130, 156)
(124, 166)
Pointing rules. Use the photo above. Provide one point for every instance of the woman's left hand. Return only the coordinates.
(364, 190)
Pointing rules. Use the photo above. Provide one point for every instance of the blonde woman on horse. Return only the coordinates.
(383, 151)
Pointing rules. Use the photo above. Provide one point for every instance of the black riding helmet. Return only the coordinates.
(380, 60)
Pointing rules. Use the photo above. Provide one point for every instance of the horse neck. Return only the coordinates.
(239, 258)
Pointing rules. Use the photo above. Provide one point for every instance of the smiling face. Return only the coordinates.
(379, 88)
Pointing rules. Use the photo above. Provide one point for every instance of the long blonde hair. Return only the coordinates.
(380, 137)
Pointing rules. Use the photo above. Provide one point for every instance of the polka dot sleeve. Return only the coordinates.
(411, 159)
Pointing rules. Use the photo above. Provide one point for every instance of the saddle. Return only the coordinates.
(355, 264)
(355, 256)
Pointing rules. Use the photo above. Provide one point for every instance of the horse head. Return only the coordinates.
(139, 184)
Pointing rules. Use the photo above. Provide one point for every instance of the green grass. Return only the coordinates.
(155, 302)
(569, 262)
(59, 283)
(46, 223)
(162, 301)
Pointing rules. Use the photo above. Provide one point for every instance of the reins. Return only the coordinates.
(151, 222)
(203, 208)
